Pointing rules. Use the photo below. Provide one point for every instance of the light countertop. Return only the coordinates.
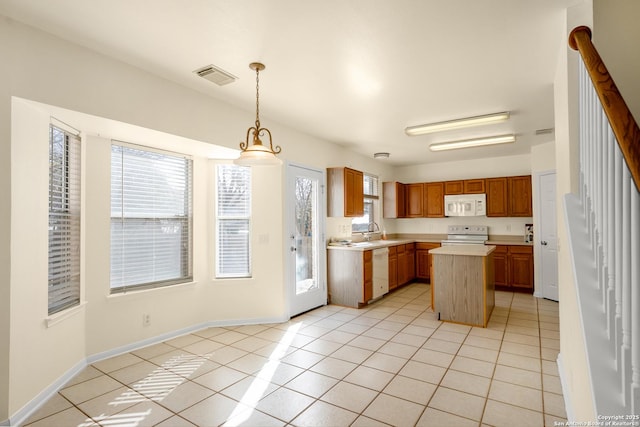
(402, 239)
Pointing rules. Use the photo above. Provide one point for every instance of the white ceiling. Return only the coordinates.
(354, 72)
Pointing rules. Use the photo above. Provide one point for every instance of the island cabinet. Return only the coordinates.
(462, 285)
(346, 192)
(424, 260)
(393, 200)
(513, 266)
(509, 196)
(350, 277)
(434, 199)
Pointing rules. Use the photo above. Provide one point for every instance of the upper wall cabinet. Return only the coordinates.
(393, 198)
(346, 192)
(520, 203)
(509, 196)
(434, 199)
(415, 202)
(467, 186)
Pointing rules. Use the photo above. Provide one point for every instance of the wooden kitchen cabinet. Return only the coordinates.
(367, 272)
(415, 200)
(393, 268)
(513, 268)
(521, 268)
(453, 187)
(500, 266)
(346, 192)
(520, 203)
(496, 197)
(350, 277)
(433, 199)
(393, 200)
(411, 261)
(474, 186)
(424, 260)
(402, 264)
(509, 196)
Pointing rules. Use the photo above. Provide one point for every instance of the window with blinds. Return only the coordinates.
(64, 220)
(151, 220)
(233, 215)
(366, 222)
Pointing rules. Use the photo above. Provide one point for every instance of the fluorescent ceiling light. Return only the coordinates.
(457, 124)
(453, 145)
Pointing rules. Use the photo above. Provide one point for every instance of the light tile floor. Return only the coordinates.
(391, 363)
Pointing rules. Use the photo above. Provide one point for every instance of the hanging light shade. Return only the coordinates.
(256, 153)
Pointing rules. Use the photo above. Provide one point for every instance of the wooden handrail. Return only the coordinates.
(620, 118)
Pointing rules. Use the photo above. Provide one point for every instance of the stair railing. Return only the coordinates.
(603, 223)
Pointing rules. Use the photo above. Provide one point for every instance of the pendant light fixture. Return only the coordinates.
(258, 154)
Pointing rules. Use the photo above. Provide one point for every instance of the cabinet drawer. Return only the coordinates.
(517, 249)
(393, 250)
(400, 249)
(426, 246)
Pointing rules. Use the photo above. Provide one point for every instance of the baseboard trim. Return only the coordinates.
(568, 407)
(30, 408)
(25, 412)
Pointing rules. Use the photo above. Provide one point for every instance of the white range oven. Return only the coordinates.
(466, 235)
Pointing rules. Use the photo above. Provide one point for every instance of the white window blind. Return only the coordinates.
(233, 215)
(64, 220)
(366, 222)
(151, 218)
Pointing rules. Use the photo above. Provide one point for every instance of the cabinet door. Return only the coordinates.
(353, 193)
(453, 187)
(474, 186)
(496, 197)
(424, 260)
(434, 199)
(422, 263)
(402, 265)
(414, 200)
(393, 199)
(520, 196)
(393, 269)
(411, 261)
(521, 267)
(367, 289)
(500, 266)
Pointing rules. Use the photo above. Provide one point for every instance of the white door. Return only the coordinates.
(305, 252)
(547, 236)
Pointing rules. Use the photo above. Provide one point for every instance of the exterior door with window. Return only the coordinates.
(305, 245)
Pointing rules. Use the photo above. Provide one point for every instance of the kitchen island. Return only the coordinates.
(462, 283)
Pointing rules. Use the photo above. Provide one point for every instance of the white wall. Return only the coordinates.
(120, 95)
(615, 35)
(574, 369)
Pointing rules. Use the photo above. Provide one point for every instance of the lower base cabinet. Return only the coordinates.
(513, 268)
(424, 260)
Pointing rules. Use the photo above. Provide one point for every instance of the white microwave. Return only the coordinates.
(465, 205)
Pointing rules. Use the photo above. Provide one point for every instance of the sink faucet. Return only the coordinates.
(373, 227)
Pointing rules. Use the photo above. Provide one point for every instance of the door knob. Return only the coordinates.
(543, 243)
(293, 249)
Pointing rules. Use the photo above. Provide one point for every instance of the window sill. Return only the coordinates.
(135, 292)
(65, 314)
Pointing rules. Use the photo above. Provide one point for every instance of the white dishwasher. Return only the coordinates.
(380, 272)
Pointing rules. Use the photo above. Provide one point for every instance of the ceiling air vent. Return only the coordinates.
(544, 131)
(216, 75)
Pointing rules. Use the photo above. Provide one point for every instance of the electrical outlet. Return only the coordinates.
(508, 227)
(146, 319)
